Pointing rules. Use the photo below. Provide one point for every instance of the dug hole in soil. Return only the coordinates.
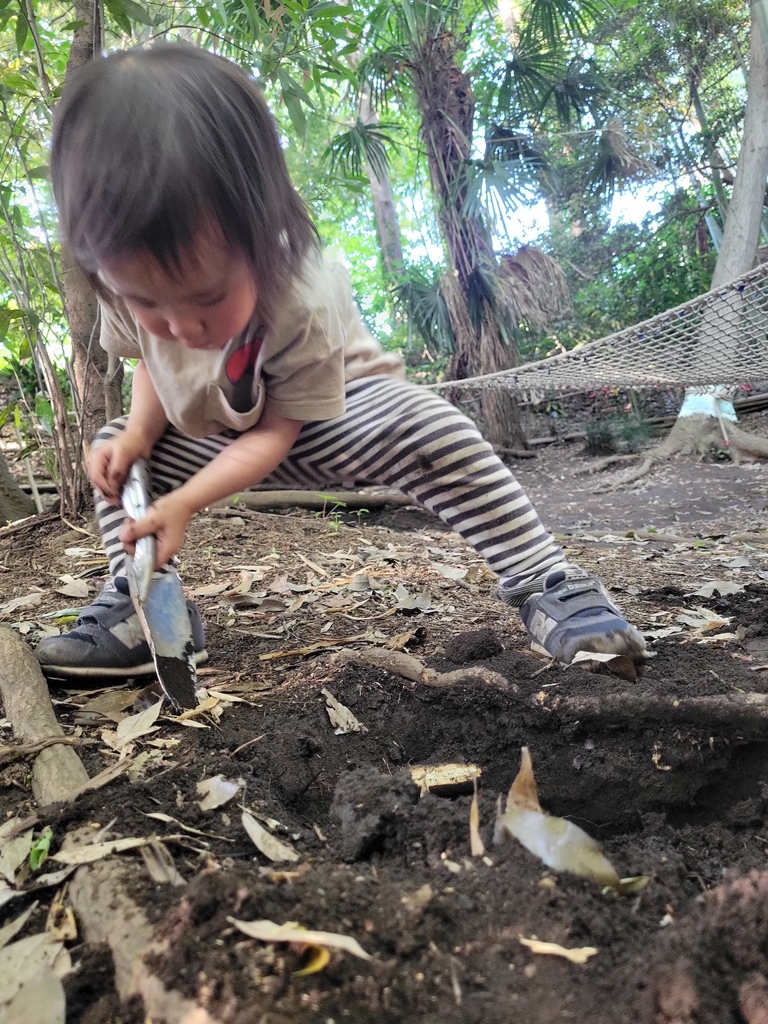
(669, 773)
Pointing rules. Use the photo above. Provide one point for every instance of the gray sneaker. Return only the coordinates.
(107, 640)
(572, 612)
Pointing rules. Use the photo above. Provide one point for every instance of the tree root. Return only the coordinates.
(727, 710)
(407, 667)
(17, 752)
(690, 435)
(322, 501)
(57, 771)
(602, 464)
(100, 898)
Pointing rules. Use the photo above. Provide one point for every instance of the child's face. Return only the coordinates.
(210, 299)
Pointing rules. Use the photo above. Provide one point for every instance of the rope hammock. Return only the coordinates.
(720, 337)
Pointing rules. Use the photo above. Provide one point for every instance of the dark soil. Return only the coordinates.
(672, 786)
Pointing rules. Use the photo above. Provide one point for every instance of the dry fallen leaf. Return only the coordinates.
(702, 619)
(341, 717)
(8, 931)
(41, 999)
(217, 791)
(476, 845)
(265, 842)
(13, 854)
(60, 923)
(72, 587)
(619, 664)
(721, 587)
(268, 931)
(576, 956)
(27, 601)
(134, 726)
(160, 864)
(558, 843)
(97, 851)
(22, 960)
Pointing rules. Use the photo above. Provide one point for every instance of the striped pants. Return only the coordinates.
(396, 434)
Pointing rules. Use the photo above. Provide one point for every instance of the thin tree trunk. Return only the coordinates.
(385, 214)
(98, 393)
(742, 225)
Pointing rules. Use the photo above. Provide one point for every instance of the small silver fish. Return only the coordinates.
(137, 497)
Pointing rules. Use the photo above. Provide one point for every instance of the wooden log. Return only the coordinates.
(109, 916)
(322, 500)
(57, 770)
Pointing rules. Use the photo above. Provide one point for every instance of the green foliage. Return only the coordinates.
(38, 853)
(420, 299)
(609, 435)
(361, 144)
(623, 275)
(544, 95)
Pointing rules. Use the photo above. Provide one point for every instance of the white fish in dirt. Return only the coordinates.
(137, 497)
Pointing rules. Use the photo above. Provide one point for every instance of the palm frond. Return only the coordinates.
(526, 79)
(496, 187)
(421, 300)
(534, 283)
(362, 144)
(379, 69)
(555, 20)
(617, 162)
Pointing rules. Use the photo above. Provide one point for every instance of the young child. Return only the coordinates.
(254, 364)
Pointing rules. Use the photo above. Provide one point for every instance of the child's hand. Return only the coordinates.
(110, 462)
(167, 518)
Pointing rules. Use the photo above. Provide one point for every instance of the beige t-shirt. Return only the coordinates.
(299, 364)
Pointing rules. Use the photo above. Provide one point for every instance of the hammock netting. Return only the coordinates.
(719, 338)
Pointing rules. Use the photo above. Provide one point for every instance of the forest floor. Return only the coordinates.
(672, 785)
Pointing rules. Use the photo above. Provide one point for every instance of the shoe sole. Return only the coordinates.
(84, 672)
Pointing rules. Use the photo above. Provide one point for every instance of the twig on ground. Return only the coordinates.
(17, 752)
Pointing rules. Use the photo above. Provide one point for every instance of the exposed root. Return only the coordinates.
(602, 464)
(746, 443)
(101, 898)
(477, 676)
(17, 752)
(725, 710)
(642, 470)
(27, 701)
(692, 435)
(408, 667)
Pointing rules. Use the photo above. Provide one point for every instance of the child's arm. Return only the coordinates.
(109, 462)
(253, 456)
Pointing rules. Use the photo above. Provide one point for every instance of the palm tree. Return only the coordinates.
(420, 47)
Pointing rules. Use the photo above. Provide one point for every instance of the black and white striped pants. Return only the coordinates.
(396, 434)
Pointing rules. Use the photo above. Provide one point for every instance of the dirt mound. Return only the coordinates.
(668, 772)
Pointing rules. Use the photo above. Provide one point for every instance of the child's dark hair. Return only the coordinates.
(149, 144)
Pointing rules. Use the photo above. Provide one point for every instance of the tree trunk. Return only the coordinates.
(97, 392)
(475, 301)
(742, 225)
(14, 503)
(709, 419)
(385, 214)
